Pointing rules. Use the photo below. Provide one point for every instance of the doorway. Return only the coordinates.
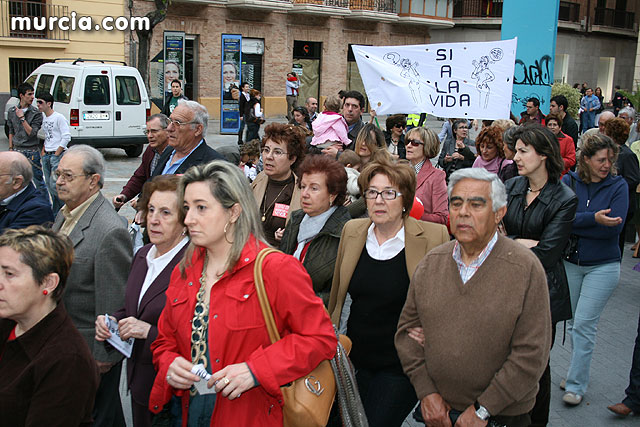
(191, 66)
(306, 64)
(606, 67)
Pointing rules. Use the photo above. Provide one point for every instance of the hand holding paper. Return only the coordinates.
(124, 347)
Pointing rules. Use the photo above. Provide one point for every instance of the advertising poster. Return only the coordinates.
(535, 24)
(230, 83)
(173, 60)
(156, 79)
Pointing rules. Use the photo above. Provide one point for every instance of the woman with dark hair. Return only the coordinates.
(457, 152)
(255, 116)
(313, 233)
(146, 286)
(301, 118)
(509, 148)
(394, 136)
(213, 318)
(48, 374)
(376, 258)
(567, 144)
(593, 267)
(491, 149)
(540, 210)
(276, 188)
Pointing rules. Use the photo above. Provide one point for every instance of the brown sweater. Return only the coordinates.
(486, 340)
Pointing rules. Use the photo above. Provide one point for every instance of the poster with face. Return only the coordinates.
(173, 60)
(230, 82)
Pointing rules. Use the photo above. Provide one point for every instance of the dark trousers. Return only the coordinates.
(633, 391)
(388, 397)
(36, 166)
(240, 131)
(540, 412)
(142, 416)
(252, 131)
(107, 410)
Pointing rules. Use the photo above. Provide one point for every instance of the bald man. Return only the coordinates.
(21, 204)
(605, 116)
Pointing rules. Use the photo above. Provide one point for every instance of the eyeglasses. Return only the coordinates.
(68, 176)
(370, 193)
(179, 123)
(415, 142)
(399, 125)
(276, 152)
(152, 131)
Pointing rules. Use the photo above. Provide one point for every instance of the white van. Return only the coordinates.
(106, 103)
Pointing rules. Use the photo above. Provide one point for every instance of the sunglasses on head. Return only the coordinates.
(415, 142)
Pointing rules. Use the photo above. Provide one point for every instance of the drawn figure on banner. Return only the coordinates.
(484, 75)
(408, 72)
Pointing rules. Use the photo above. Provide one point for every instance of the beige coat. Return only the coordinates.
(420, 238)
(259, 186)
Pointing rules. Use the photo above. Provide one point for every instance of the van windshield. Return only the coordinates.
(96, 90)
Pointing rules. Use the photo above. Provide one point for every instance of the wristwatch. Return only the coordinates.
(481, 412)
(22, 119)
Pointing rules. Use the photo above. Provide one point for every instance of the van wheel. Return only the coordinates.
(133, 150)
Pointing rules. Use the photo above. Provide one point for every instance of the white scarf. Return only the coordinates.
(310, 226)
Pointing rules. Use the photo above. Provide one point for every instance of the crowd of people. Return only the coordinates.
(398, 238)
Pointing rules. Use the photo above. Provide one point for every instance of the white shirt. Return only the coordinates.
(388, 249)
(56, 131)
(156, 265)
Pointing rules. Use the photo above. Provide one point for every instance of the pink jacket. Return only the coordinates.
(431, 189)
(330, 126)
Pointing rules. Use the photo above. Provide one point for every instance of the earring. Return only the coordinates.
(225, 233)
(404, 210)
(184, 232)
(45, 292)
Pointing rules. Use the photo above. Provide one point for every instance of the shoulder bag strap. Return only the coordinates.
(267, 313)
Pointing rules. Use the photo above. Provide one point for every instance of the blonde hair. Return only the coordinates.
(332, 103)
(431, 141)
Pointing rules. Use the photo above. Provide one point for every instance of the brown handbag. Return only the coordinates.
(307, 400)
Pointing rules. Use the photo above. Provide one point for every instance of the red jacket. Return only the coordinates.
(431, 189)
(567, 151)
(237, 334)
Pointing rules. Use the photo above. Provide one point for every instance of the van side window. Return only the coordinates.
(44, 84)
(96, 90)
(62, 89)
(127, 91)
(32, 79)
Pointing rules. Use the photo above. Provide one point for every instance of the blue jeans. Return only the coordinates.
(36, 166)
(240, 131)
(590, 288)
(49, 166)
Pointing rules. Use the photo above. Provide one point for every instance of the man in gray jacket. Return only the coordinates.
(98, 277)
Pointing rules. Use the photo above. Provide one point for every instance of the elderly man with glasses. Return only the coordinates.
(187, 129)
(98, 276)
(158, 138)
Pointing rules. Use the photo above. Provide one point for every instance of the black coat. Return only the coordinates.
(402, 151)
(548, 219)
(320, 259)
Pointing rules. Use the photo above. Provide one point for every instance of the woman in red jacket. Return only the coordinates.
(213, 317)
(567, 144)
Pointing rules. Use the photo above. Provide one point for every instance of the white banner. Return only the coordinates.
(467, 80)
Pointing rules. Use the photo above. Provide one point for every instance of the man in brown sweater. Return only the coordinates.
(482, 305)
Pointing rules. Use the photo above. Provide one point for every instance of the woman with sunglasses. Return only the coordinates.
(431, 187)
(394, 136)
(458, 152)
(376, 257)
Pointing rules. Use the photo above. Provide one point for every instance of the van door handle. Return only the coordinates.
(118, 115)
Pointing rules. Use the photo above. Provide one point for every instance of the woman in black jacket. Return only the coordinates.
(458, 152)
(540, 211)
(313, 233)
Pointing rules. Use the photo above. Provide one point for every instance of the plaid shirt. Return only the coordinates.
(467, 272)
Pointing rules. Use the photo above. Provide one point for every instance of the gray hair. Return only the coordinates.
(630, 111)
(200, 113)
(92, 160)
(498, 190)
(164, 120)
(228, 186)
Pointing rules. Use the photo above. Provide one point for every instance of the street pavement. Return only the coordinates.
(616, 331)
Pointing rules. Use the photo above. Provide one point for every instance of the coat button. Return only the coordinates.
(190, 283)
(246, 260)
(217, 360)
(175, 300)
(245, 296)
(155, 407)
(215, 316)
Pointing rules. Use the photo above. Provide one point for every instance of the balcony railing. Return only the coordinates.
(614, 18)
(331, 3)
(29, 19)
(569, 11)
(375, 5)
(477, 9)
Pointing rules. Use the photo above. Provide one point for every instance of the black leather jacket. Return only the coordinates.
(548, 219)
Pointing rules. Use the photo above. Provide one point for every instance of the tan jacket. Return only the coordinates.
(419, 238)
(259, 186)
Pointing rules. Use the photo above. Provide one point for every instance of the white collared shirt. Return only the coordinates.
(156, 265)
(388, 249)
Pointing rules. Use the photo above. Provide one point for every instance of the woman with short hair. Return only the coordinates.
(491, 148)
(458, 152)
(394, 135)
(213, 317)
(146, 286)
(431, 187)
(48, 374)
(313, 233)
(553, 121)
(376, 258)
